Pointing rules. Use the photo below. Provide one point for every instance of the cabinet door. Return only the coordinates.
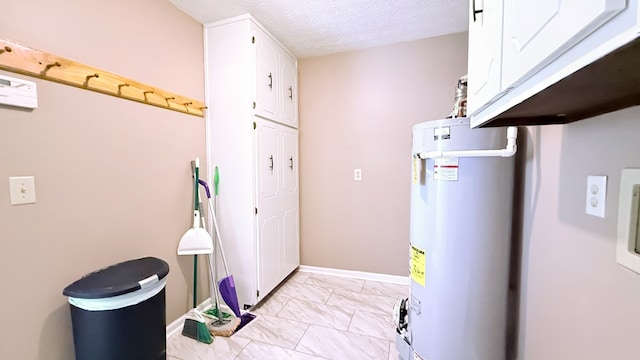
(289, 201)
(485, 53)
(537, 32)
(289, 90)
(291, 241)
(266, 76)
(290, 170)
(269, 217)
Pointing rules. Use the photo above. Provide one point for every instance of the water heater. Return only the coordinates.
(460, 235)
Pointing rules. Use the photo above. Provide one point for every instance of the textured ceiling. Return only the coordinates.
(318, 27)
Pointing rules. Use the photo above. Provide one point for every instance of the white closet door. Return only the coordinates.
(291, 241)
(289, 88)
(268, 207)
(537, 32)
(267, 85)
(289, 196)
(290, 168)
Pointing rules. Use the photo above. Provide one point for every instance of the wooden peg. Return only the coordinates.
(169, 98)
(6, 49)
(120, 88)
(89, 77)
(204, 108)
(49, 66)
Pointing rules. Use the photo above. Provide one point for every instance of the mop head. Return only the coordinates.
(196, 328)
(224, 327)
(245, 319)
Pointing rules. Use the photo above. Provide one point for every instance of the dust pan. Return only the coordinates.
(196, 240)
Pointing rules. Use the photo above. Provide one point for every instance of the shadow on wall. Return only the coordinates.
(526, 192)
(603, 145)
(58, 323)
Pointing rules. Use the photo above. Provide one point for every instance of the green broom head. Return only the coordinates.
(196, 328)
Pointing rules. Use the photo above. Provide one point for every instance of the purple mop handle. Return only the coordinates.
(206, 187)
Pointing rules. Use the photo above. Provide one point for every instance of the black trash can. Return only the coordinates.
(119, 312)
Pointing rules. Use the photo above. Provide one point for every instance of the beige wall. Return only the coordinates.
(357, 110)
(112, 176)
(577, 302)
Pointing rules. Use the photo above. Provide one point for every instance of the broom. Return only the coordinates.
(195, 327)
(194, 324)
(221, 326)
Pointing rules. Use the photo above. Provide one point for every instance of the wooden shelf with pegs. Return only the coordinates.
(23, 60)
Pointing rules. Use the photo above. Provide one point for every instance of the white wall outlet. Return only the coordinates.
(596, 195)
(22, 190)
(357, 174)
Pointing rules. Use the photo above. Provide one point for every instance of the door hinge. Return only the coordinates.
(254, 104)
(253, 39)
(256, 211)
(254, 125)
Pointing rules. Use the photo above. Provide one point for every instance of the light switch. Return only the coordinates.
(596, 195)
(22, 190)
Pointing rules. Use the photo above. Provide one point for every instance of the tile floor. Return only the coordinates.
(309, 317)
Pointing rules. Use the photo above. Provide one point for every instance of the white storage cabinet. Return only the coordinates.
(252, 137)
(541, 43)
(485, 53)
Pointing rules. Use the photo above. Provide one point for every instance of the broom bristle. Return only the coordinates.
(197, 330)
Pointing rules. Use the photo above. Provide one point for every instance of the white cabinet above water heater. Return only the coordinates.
(551, 61)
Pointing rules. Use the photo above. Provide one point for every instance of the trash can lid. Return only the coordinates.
(118, 279)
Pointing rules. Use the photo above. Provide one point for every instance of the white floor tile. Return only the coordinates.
(275, 331)
(310, 317)
(272, 304)
(342, 345)
(393, 352)
(335, 282)
(358, 301)
(222, 348)
(261, 351)
(319, 314)
(386, 289)
(302, 291)
(299, 276)
(372, 324)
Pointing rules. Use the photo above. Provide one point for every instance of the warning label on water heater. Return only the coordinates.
(418, 265)
(445, 169)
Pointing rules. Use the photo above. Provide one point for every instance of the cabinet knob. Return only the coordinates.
(271, 160)
(475, 12)
(291, 163)
(290, 92)
(270, 82)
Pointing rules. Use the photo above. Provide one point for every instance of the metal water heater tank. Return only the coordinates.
(461, 205)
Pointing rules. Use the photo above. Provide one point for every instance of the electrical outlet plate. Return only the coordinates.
(22, 190)
(628, 245)
(357, 174)
(596, 195)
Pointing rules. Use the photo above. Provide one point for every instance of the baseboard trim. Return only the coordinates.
(393, 279)
(176, 325)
